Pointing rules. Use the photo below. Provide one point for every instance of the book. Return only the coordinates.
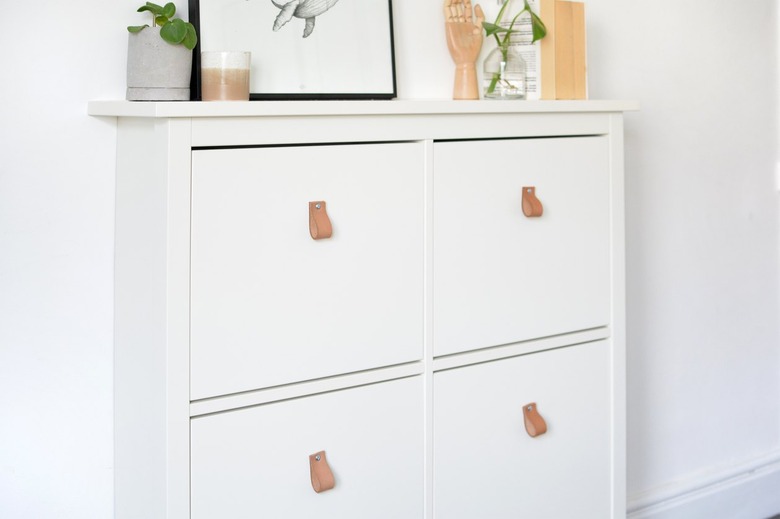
(580, 53)
(562, 53)
(546, 78)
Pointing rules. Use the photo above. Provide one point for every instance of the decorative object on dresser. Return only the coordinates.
(159, 58)
(504, 67)
(303, 49)
(563, 53)
(556, 64)
(464, 41)
(454, 357)
(225, 75)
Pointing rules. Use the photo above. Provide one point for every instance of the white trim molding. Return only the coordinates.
(747, 489)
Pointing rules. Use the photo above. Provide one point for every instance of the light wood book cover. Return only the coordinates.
(563, 50)
(579, 45)
(547, 49)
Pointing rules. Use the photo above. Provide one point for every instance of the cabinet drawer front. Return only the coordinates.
(254, 462)
(487, 465)
(270, 305)
(502, 277)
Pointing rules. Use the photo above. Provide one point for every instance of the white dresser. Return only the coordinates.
(407, 345)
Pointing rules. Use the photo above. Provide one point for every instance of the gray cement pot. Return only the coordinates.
(157, 70)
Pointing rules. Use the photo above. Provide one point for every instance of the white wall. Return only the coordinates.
(704, 346)
(56, 232)
(702, 213)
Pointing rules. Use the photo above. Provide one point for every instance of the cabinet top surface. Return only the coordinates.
(196, 109)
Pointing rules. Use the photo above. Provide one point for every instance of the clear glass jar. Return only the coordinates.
(504, 74)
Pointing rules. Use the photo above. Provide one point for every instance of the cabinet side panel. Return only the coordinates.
(618, 317)
(140, 323)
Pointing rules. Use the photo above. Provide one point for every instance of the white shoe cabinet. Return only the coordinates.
(406, 345)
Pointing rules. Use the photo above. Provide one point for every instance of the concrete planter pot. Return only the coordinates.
(157, 70)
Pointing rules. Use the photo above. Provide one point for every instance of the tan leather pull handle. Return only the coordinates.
(319, 223)
(534, 423)
(532, 207)
(321, 475)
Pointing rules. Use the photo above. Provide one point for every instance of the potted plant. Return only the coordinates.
(504, 68)
(159, 57)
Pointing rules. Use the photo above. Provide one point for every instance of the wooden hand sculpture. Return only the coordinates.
(464, 39)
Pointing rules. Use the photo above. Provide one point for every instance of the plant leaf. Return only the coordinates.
(136, 28)
(153, 8)
(501, 11)
(537, 27)
(191, 38)
(161, 20)
(169, 10)
(175, 31)
(492, 28)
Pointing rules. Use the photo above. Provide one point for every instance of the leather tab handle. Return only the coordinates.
(319, 223)
(321, 475)
(532, 207)
(534, 423)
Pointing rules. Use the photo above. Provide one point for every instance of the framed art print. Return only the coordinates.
(302, 49)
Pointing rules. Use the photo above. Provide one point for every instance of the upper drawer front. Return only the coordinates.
(253, 463)
(485, 462)
(270, 305)
(502, 277)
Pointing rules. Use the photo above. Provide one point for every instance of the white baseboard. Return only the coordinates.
(748, 490)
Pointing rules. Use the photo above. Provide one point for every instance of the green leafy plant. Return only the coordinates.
(503, 34)
(173, 30)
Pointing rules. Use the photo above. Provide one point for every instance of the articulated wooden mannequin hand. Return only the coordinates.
(464, 39)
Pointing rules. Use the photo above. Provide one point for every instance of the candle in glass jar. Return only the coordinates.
(224, 76)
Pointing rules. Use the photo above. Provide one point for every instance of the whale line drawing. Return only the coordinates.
(305, 9)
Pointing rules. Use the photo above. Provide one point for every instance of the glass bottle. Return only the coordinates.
(504, 74)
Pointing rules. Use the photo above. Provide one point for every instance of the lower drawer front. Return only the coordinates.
(487, 465)
(254, 462)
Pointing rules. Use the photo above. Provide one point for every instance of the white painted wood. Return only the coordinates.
(263, 289)
(140, 343)
(233, 109)
(468, 358)
(391, 127)
(618, 315)
(428, 344)
(502, 277)
(178, 316)
(289, 391)
(428, 330)
(254, 462)
(151, 328)
(486, 465)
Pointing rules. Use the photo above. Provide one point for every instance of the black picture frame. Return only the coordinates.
(348, 54)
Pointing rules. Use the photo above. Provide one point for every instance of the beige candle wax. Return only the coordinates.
(225, 76)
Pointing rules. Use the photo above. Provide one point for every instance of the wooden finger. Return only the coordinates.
(480, 16)
(446, 7)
